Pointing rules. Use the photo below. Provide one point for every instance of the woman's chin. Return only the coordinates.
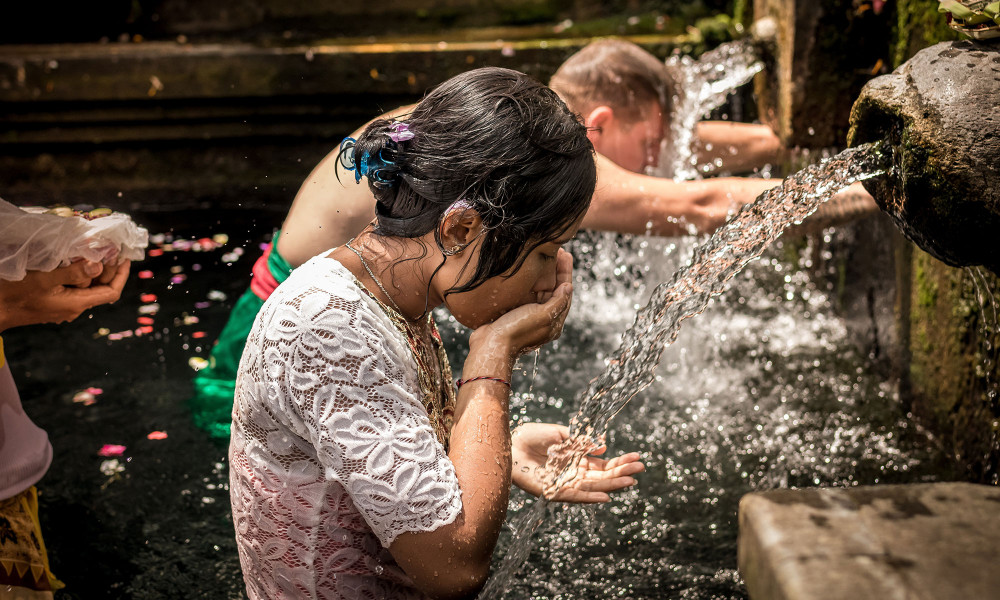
(474, 319)
(471, 322)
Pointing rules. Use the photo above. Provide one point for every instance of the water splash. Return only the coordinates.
(989, 329)
(687, 294)
(989, 325)
(702, 85)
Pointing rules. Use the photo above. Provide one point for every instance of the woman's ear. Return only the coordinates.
(459, 227)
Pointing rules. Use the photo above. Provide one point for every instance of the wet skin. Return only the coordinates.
(510, 314)
(632, 145)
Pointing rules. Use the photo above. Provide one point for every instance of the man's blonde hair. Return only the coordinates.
(618, 74)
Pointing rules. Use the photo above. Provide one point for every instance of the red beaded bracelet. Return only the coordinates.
(461, 382)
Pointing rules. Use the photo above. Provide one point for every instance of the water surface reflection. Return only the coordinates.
(766, 388)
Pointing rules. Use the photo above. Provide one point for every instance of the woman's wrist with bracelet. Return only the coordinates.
(489, 365)
(459, 383)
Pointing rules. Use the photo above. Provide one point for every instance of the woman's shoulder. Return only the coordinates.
(323, 293)
(323, 275)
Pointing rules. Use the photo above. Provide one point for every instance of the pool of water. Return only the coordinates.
(153, 522)
(770, 387)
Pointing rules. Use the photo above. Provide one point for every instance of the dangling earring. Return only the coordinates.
(458, 205)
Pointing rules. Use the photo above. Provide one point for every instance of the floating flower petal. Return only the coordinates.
(111, 450)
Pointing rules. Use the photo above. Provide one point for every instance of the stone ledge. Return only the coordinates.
(921, 541)
(156, 120)
(170, 71)
(161, 91)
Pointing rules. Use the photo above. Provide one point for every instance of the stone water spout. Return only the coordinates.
(940, 114)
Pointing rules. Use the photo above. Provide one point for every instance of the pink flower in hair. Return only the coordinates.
(400, 132)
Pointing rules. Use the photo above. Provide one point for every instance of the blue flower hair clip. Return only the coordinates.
(379, 168)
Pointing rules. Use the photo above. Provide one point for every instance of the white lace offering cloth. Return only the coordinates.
(332, 454)
(33, 241)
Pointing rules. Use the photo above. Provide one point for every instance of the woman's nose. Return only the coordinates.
(550, 279)
(547, 280)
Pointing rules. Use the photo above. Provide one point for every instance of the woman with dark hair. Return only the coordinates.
(358, 469)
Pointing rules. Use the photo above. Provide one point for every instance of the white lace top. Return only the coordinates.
(332, 453)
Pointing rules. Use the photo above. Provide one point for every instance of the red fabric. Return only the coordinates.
(263, 282)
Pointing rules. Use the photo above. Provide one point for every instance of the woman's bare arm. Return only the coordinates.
(453, 561)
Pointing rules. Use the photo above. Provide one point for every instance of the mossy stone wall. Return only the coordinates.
(945, 339)
(918, 25)
(953, 374)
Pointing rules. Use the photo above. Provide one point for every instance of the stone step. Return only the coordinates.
(159, 123)
(68, 93)
(936, 541)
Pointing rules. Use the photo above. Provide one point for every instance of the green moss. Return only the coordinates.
(841, 282)
(925, 289)
(939, 368)
(628, 24)
(792, 248)
(919, 25)
(873, 120)
(742, 12)
(716, 30)
(954, 365)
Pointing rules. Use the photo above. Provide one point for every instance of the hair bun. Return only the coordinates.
(378, 165)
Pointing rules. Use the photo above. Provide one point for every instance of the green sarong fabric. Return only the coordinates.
(215, 385)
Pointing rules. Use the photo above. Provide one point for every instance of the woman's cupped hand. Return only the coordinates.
(592, 479)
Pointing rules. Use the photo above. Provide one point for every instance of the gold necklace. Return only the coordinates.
(371, 274)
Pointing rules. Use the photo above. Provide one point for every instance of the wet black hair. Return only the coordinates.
(499, 140)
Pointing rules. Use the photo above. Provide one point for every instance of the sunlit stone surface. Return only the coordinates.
(939, 540)
(938, 111)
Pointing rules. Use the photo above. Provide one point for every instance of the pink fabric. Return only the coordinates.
(263, 282)
(25, 452)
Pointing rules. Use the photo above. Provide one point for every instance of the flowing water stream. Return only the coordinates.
(988, 332)
(701, 86)
(631, 369)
